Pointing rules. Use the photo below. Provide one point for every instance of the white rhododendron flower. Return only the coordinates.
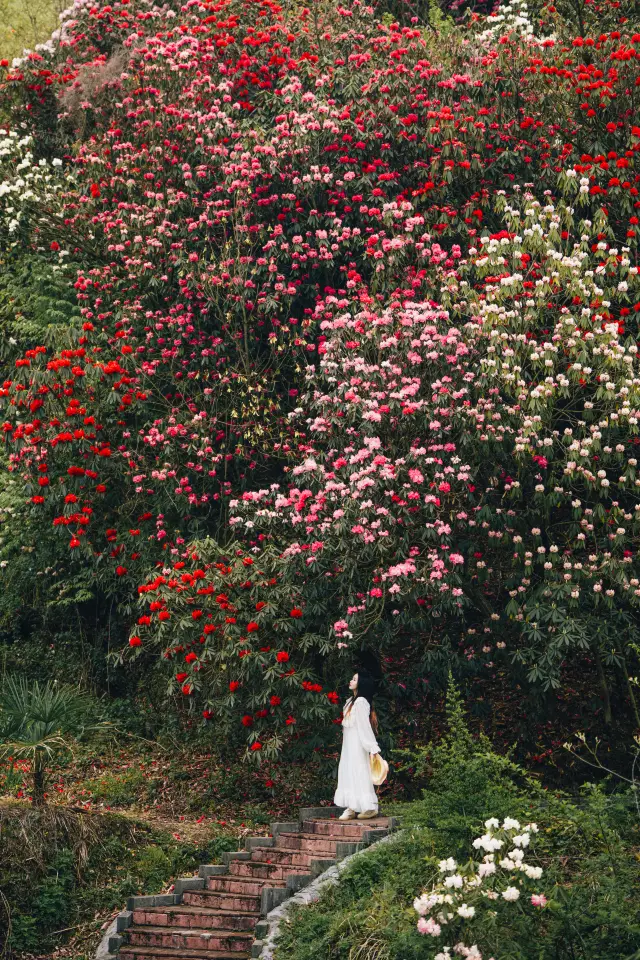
(511, 893)
(458, 898)
(510, 824)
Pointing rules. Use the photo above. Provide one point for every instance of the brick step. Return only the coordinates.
(185, 916)
(130, 952)
(225, 902)
(274, 855)
(227, 941)
(309, 842)
(263, 871)
(343, 829)
(250, 886)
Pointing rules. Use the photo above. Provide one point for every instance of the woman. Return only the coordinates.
(355, 786)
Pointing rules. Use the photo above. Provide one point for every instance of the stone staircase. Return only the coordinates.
(218, 914)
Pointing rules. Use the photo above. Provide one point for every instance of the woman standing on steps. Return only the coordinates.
(355, 784)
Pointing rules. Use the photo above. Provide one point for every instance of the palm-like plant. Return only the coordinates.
(38, 720)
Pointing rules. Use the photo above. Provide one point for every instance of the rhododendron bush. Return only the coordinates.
(318, 290)
(496, 499)
(498, 880)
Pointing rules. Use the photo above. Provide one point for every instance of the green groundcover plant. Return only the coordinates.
(569, 892)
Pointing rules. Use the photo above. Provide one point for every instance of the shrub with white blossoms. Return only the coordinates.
(511, 19)
(467, 890)
(28, 187)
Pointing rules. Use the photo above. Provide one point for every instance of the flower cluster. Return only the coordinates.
(465, 891)
(28, 187)
(534, 366)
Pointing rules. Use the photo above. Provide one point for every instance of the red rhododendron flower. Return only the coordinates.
(296, 612)
(282, 656)
(275, 701)
(134, 641)
(252, 627)
(247, 721)
(233, 686)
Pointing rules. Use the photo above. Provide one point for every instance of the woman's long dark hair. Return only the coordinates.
(365, 689)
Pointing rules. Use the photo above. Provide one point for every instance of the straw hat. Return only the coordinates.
(379, 769)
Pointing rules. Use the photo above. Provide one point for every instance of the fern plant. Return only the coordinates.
(37, 305)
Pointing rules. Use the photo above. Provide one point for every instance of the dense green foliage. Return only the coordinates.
(39, 720)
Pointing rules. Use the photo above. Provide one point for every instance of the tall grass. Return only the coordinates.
(25, 23)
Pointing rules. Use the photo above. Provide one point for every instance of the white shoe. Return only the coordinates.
(348, 814)
(368, 815)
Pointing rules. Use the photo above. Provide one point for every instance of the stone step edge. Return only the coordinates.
(271, 898)
(267, 930)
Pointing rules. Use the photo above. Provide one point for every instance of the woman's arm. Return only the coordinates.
(363, 726)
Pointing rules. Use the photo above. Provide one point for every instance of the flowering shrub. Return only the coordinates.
(26, 185)
(237, 640)
(523, 489)
(339, 298)
(488, 885)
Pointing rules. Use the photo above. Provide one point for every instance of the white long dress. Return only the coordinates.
(355, 786)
